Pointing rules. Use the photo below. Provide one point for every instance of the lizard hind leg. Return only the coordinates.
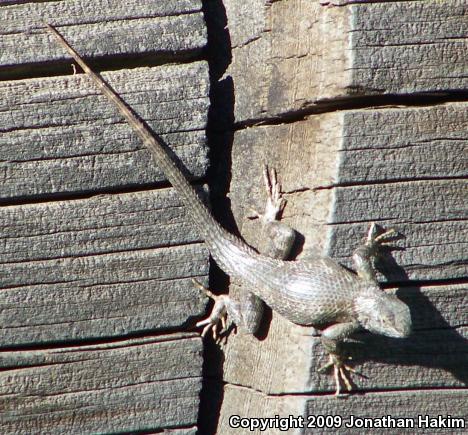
(226, 311)
(246, 313)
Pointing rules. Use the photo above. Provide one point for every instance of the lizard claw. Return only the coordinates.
(218, 313)
(340, 372)
(275, 202)
(254, 214)
(373, 239)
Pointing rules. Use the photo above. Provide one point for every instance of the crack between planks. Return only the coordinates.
(312, 394)
(398, 220)
(111, 252)
(376, 102)
(91, 390)
(102, 343)
(388, 181)
(425, 283)
(104, 284)
(117, 225)
(102, 64)
(89, 194)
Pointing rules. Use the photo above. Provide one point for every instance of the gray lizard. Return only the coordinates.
(319, 293)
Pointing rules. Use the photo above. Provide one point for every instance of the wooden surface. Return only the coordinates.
(365, 115)
(154, 30)
(98, 267)
(373, 405)
(321, 55)
(66, 133)
(96, 297)
(287, 360)
(350, 168)
(354, 140)
(123, 383)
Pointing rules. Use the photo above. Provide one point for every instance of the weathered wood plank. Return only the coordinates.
(431, 213)
(434, 356)
(134, 27)
(322, 54)
(104, 266)
(61, 135)
(139, 384)
(98, 267)
(247, 403)
(101, 224)
(397, 144)
(408, 47)
(428, 251)
(343, 170)
(409, 404)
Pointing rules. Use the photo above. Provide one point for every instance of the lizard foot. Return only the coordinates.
(275, 201)
(340, 372)
(218, 313)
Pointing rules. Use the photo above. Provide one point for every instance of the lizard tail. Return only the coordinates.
(223, 245)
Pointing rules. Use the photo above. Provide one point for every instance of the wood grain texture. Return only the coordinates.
(408, 404)
(61, 135)
(128, 28)
(434, 356)
(123, 386)
(403, 167)
(343, 170)
(413, 178)
(250, 404)
(399, 144)
(98, 267)
(320, 54)
(408, 47)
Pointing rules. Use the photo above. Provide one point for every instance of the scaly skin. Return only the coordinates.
(305, 292)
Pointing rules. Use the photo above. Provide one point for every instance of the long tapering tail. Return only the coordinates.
(223, 245)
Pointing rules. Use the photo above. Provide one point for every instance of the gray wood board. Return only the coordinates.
(100, 28)
(322, 54)
(287, 360)
(407, 47)
(123, 386)
(312, 159)
(98, 267)
(427, 249)
(61, 135)
(409, 404)
(400, 167)
(403, 143)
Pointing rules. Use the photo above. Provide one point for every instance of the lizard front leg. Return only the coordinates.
(365, 254)
(331, 338)
(276, 241)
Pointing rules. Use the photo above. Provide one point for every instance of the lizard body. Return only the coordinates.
(318, 292)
